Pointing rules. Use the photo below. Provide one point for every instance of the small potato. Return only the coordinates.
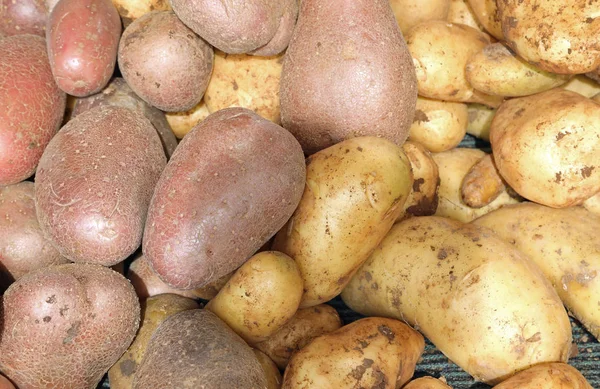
(480, 120)
(593, 204)
(409, 13)
(427, 383)
(496, 70)
(129, 10)
(300, 330)
(272, 373)
(241, 80)
(482, 183)
(369, 353)
(582, 85)
(439, 125)
(423, 197)
(23, 17)
(182, 122)
(260, 297)
(461, 12)
(547, 376)
(284, 33)
(487, 14)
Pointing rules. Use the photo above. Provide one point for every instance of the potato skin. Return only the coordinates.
(94, 184)
(182, 122)
(482, 184)
(129, 10)
(5, 383)
(251, 169)
(33, 106)
(272, 373)
(56, 322)
(488, 15)
(426, 383)
(547, 376)
(593, 204)
(282, 37)
(409, 13)
(480, 120)
(423, 198)
(23, 17)
(439, 125)
(461, 12)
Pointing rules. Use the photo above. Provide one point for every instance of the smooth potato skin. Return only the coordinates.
(593, 204)
(486, 12)
(5, 383)
(56, 322)
(547, 376)
(94, 183)
(133, 9)
(23, 17)
(82, 38)
(251, 170)
(439, 125)
(426, 383)
(182, 122)
(282, 37)
(33, 106)
(409, 13)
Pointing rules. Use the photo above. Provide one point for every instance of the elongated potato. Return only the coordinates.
(355, 191)
(423, 197)
(593, 204)
(547, 376)
(439, 125)
(482, 183)
(487, 14)
(272, 373)
(426, 383)
(182, 122)
(409, 13)
(480, 120)
(564, 244)
(461, 12)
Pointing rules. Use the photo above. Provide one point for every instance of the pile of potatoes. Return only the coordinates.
(197, 179)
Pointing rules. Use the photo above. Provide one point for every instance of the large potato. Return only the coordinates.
(423, 197)
(478, 299)
(23, 17)
(439, 125)
(427, 383)
(369, 353)
(182, 122)
(547, 376)
(487, 14)
(409, 13)
(202, 223)
(94, 184)
(129, 10)
(32, 106)
(549, 156)
(64, 326)
(355, 191)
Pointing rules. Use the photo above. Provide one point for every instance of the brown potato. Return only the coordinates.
(482, 183)
(461, 12)
(129, 10)
(64, 326)
(272, 373)
(480, 120)
(427, 383)
(409, 13)
(547, 376)
(282, 37)
(23, 17)
(439, 125)
(182, 122)
(593, 204)
(487, 14)
(423, 198)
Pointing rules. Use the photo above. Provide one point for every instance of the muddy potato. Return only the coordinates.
(480, 120)
(427, 383)
(272, 373)
(242, 80)
(194, 349)
(372, 352)
(182, 122)
(487, 14)
(94, 184)
(32, 106)
(282, 37)
(66, 325)
(478, 299)
(547, 376)
(164, 62)
(355, 190)
(582, 85)
(482, 184)
(155, 310)
(129, 10)
(439, 125)
(23, 17)
(593, 204)
(461, 12)
(423, 197)
(409, 13)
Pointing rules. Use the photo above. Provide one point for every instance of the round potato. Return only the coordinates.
(439, 125)
(423, 197)
(284, 33)
(129, 10)
(487, 14)
(480, 120)
(272, 373)
(23, 17)
(182, 122)
(409, 13)
(427, 383)
(461, 12)
(547, 375)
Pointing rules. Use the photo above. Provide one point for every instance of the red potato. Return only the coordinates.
(32, 106)
(23, 17)
(5, 383)
(282, 37)
(83, 38)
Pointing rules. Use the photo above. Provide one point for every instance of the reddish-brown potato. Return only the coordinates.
(282, 37)
(94, 184)
(5, 383)
(82, 38)
(23, 17)
(32, 106)
(64, 326)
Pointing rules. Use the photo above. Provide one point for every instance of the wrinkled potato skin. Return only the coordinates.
(487, 14)
(593, 204)
(242, 80)
(355, 191)
(155, 310)
(461, 12)
(564, 244)
(463, 287)
(23, 17)
(426, 383)
(369, 353)
(182, 122)
(549, 156)
(482, 183)
(272, 373)
(439, 125)
(300, 330)
(423, 197)
(56, 322)
(480, 120)
(129, 10)
(32, 106)
(409, 13)
(282, 37)
(547, 376)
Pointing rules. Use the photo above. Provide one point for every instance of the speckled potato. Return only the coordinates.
(480, 120)
(593, 204)
(182, 122)
(487, 14)
(23, 17)
(409, 13)
(423, 197)
(129, 10)
(369, 353)
(427, 383)
(564, 244)
(478, 299)
(270, 369)
(439, 125)
(461, 12)
(549, 156)
(355, 191)
(547, 376)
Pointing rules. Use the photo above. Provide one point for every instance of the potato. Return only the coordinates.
(155, 310)
(284, 33)
(439, 125)
(369, 353)
(164, 62)
(336, 83)
(64, 326)
(554, 36)
(272, 373)
(409, 13)
(547, 376)
(453, 166)
(83, 37)
(23, 247)
(593, 204)
(300, 330)
(423, 197)
(23, 17)
(355, 191)
(94, 183)
(487, 14)
(427, 383)
(202, 222)
(480, 120)
(564, 244)
(479, 300)
(582, 85)
(32, 106)
(461, 12)
(496, 70)
(482, 184)
(194, 349)
(182, 122)
(129, 10)
(5, 383)
(549, 156)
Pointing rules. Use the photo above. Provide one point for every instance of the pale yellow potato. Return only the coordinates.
(182, 122)
(260, 297)
(423, 197)
(487, 14)
(247, 81)
(453, 166)
(461, 12)
(427, 383)
(546, 147)
(564, 244)
(480, 120)
(582, 85)
(300, 330)
(547, 376)
(478, 299)
(369, 353)
(133, 9)
(439, 125)
(556, 36)
(355, 190)
(593, 204)
(409, 13)
(272, 373)
(498, 71)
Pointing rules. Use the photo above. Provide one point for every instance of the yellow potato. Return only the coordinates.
(423, 197)
(247, 81)
(547, 376)
(593, 204)
(409, 13)
(564, 244)
(133, 9)
(461, 12)
(439, 125)
(182, 122)
(261, 296)
(272, 373)
(480, 120)
(355, 190)
(478, 299)
(487, 14)
(427, 383)
(482, 184)
(369, 353)
(582, 85)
